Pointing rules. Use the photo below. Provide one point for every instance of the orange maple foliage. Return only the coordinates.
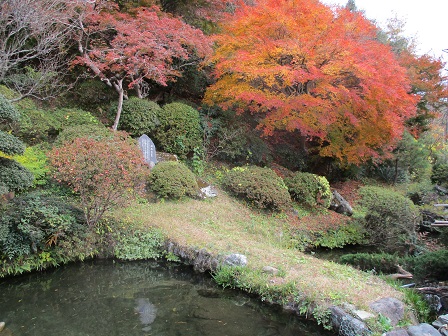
(299, 65)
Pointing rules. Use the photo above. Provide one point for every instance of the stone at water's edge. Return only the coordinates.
(391, 308)
(398, 332)
(346, 324)
(423, 329)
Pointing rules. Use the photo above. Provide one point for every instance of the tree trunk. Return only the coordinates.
(118, 85)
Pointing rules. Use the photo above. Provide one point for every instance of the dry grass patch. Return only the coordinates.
(222, 226)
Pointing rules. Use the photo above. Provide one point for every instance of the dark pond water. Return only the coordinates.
(136, 298)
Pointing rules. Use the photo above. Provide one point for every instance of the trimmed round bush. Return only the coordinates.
(14, 176)
(390, 219)
(139, 116)
(309, 189)
(180, 129)
(7, 111)
(431, 265)
(10, 145)
(260, 186)
(173, 179)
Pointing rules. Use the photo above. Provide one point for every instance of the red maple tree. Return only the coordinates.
(299, 65)
(126, 49)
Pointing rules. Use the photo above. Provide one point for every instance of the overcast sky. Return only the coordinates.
(426, 20)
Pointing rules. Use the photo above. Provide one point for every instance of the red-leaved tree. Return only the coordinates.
(124, 49)
(300, 66)
(105, 173)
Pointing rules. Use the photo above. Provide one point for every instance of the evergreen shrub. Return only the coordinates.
(309, 189)
(440, 174)
(430, 265)
(390, 219)
(35, 222)
(173, 179)
(260, 186)
(95, 132)
(35, 160)
(38, 125)
(139, 116)
(180, 129)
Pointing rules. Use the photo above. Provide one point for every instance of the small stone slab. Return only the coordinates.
(363, 315)
(398, 332)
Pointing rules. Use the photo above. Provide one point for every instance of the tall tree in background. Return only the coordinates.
(124, 50)
(299, 66)
(33, 37)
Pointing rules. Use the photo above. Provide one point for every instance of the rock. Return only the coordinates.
(443, 319)
(161, 156)
(345, 324)
(270, 270)
(235, 260)
(423, 329)
(391, 308)
(208, 192)
(398, 332)
(2, 326)
(340, 205)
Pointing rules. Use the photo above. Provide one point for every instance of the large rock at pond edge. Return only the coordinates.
(346, 324)
(235, 259)
(391, 308)
(423, 329)
(340, 205)
(398, 332)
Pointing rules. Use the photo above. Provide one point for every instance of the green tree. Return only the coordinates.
(13, 176)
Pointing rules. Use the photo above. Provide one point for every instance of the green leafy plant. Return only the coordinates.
(309, 189)
(172, 179)
(260, 186)
(138, 244)
(35, 160)
(95, 131)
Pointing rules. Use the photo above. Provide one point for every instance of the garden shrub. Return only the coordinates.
(35, 160)
(138, 116)
(380, 262)
(430, 265)
(35, 222)
(180, 129)
(390, 219)
(172, 179)
(309, 189)
(104, 173)
(13, 176)
(260, 186)
(131, 244)
(440, 174)
(38, 125)
(95, 132)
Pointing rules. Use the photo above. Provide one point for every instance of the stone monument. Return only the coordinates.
(148, 149)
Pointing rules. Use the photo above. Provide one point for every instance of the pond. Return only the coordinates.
(105, 297)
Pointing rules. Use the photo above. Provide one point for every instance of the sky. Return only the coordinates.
(426, 20)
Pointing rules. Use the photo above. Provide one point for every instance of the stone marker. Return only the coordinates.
(148, 149)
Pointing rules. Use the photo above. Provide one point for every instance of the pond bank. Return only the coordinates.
(202, 233)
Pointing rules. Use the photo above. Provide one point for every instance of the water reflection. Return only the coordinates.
(136, 298)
